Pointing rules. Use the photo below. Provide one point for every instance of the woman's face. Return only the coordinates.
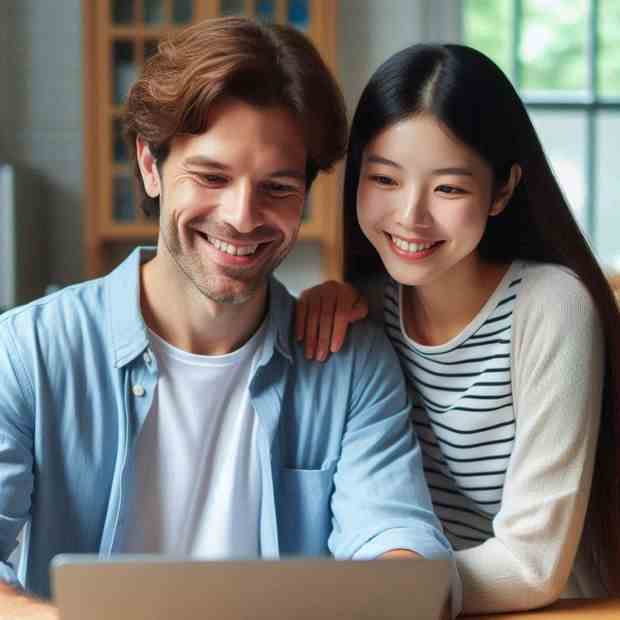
(423, 201)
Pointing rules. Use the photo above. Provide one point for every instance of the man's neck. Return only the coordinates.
(180, 314)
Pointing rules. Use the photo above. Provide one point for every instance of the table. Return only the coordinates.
(566, 609)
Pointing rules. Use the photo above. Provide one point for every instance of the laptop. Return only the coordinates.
(159, 588)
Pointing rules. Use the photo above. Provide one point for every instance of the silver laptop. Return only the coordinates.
(155, 588)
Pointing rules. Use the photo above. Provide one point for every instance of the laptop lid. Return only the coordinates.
(156, 588)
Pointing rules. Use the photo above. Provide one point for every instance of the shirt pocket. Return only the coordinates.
(304, 520)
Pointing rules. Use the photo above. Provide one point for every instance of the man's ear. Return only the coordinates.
(148, 168)
(504, 194)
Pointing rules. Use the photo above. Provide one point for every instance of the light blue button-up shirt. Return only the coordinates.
(341, 470)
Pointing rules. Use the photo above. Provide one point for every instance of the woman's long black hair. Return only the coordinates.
(469, 94)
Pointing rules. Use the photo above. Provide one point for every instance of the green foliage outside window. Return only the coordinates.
(563, 56)
(553, 42)
(609, 48)
(488, 27)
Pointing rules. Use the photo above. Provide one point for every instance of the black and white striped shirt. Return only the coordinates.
(463, 410)
(507, 417)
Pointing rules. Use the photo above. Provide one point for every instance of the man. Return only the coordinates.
(167, 408)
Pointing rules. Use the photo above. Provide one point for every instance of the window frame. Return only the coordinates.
(591, 103)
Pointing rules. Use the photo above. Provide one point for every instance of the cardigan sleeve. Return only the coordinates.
(557, 379)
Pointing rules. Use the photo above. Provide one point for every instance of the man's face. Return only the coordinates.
(231, 198)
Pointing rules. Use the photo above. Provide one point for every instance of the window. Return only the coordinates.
(564, 59)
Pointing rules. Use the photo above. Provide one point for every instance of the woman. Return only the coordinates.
(459, 237)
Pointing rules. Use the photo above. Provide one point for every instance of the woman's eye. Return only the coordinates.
(449, 189)
(381, 179)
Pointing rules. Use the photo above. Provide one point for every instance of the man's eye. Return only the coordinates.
(209, 179)
(280, 189)
(381, 179)
(449, 189)
(213, 178)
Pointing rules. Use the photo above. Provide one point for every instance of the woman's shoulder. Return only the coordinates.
(546, 282)
(551, 295)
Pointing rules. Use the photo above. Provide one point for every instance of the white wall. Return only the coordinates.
(41, 118)
(369, 31)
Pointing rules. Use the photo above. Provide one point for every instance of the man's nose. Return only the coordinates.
(241, 209)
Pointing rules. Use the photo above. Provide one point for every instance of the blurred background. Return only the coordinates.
(67, 201)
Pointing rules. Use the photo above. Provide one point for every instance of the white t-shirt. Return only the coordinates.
(197, 484)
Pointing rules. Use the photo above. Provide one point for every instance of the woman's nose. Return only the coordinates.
(414, 212)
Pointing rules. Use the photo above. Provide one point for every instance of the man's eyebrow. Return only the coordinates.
(205, 162)
(289, 173)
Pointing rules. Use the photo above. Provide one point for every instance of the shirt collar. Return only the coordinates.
(122, 290)
(128, 329)
(280, 317)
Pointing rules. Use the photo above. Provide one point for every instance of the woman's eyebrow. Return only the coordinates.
(457, 170)
(377, 159)
(454, 170)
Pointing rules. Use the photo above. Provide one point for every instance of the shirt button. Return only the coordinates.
(138, 390)
(147, 358)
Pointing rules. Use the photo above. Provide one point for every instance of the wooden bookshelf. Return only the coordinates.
(118, 36)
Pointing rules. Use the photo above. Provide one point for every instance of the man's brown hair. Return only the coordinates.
(261, 64)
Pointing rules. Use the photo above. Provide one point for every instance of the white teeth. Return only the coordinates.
(233, 250)
(410, 247)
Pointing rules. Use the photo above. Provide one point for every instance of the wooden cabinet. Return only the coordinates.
(614, 282)
(118, 36)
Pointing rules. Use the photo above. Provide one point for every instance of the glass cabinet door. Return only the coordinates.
(298, 14)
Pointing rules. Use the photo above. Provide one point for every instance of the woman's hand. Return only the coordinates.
(323, 315)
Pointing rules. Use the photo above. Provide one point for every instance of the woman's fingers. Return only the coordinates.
(323, 315)
(359, 310)
(312, 325)
(351, 307)
(341, 323)
(301, 313)
(326, 323)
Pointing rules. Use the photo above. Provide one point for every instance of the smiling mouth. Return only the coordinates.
(412, 247)
(232, 249)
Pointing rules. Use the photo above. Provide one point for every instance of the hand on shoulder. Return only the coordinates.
(323, 315)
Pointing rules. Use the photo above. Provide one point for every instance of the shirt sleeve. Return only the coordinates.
(381, 501)
(558, 369)
(16, 461)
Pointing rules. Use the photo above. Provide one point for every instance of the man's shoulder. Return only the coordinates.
(85, 300)
(368, 343)
(69, 298)
(62, 311)
(366, 351)
(365, 343)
